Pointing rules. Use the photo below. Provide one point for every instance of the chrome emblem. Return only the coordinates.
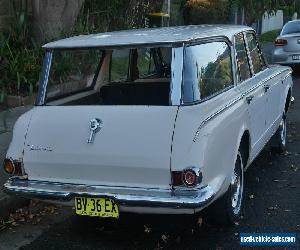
(40, 148)
(95, 126)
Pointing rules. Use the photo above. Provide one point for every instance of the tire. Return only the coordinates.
(279, 137)
(228, 209)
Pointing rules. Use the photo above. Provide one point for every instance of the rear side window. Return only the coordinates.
(207, 71)
(257, 60)
(242, 58)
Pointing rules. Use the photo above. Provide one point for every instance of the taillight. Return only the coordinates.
(190, 177)
(281, 42)
(12, 167)
(9, 166)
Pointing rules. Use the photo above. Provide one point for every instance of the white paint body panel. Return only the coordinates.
(215, 147)
(132, 149)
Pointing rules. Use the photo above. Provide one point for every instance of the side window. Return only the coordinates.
(242, 58)
(145, 62)
(119, 65)
(207, 70)
(257, 60)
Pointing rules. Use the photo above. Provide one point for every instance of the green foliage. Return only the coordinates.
(254, 9)
(213, 11)
(20, 57)
(99, 16)
(269, 37)
(290, 9)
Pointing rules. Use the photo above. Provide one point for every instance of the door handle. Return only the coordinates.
(249, 99)
(266, 88)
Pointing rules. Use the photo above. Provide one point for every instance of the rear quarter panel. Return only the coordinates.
(287, 81)
(207, 135)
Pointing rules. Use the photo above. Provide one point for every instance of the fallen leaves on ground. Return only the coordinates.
(33, 214)
(273, 208)
(293, 167)
(164, 238)
(147, 229)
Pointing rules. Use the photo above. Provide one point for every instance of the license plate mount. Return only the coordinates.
(96, 207)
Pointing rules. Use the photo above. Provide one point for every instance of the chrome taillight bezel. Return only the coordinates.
(179, 177)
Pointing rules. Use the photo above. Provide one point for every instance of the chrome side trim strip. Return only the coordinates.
(227, 106)
(128, 197)
(287, 75)
(233, 102)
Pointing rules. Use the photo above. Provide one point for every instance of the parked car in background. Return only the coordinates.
(150, 121)
(287, 45)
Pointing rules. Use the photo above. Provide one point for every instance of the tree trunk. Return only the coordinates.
(52, 17)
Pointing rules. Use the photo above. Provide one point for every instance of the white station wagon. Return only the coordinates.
(161, 121)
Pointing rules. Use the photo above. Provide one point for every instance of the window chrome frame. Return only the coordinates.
(43, 83)
(238, 72)
(264, 64)
(176, 89)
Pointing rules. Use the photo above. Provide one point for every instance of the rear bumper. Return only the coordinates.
(185, 201)
(284, 58)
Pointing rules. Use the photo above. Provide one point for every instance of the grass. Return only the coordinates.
(269, 37)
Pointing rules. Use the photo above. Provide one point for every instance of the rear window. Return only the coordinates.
(290, 28)
(136, 76)
(72, 71)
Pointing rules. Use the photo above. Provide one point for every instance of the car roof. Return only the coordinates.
(136, 37)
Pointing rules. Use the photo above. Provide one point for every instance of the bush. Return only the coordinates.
(206, 12)
(269, 37)
(101, 16)
(19, 56)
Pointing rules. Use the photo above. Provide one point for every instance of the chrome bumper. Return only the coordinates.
(124, 196)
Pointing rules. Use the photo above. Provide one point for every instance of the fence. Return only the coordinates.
(272, 21)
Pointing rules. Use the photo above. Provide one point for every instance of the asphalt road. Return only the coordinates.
(272, 204)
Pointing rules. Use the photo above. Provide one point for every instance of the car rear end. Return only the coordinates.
(100, 136)
(287, 45)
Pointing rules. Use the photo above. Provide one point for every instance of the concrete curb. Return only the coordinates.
(9, 204)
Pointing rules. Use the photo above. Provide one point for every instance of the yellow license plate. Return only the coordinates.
(101, 207)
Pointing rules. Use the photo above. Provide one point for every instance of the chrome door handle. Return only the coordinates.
(266, 88)
(249, 99)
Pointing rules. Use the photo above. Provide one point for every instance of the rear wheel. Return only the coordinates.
(227, 210)
(280, 136)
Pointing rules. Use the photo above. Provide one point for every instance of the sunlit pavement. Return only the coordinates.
(272, 204)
